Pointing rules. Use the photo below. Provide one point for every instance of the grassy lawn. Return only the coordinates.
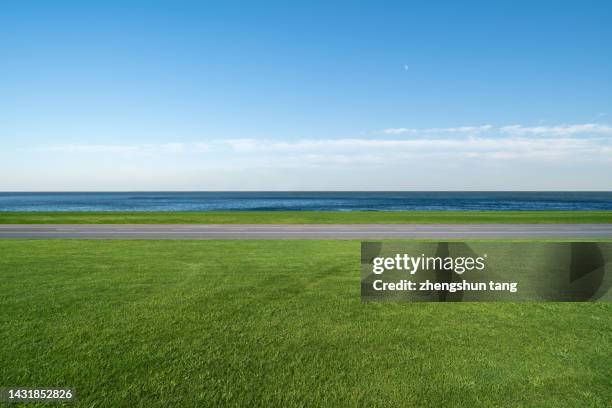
(308, 217)
(274, 323)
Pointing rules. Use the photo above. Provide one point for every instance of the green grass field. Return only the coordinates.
(308, 217)
(274, 323)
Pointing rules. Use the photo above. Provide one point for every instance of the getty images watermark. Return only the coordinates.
(485, 271)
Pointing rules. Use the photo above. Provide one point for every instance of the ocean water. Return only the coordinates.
(305, 201)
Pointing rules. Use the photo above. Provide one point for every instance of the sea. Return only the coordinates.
(306, 201)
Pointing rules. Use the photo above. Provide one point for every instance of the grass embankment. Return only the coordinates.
(253, 323)
(309, 217)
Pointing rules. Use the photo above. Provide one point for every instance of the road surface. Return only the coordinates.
(308, 231)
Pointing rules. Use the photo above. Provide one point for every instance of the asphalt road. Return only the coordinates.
(307, 231)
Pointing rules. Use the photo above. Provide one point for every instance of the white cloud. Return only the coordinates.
(563, 143)
(577, 143)
(558, 130)
(465, 157)
(460, 129)
(353, 150)
(398, 131)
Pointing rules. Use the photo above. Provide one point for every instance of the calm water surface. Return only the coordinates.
(305, 201)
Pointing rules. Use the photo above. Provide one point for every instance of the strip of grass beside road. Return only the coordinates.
(311, 217)
(277, 323)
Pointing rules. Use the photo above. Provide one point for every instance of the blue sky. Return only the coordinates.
(195, 95)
